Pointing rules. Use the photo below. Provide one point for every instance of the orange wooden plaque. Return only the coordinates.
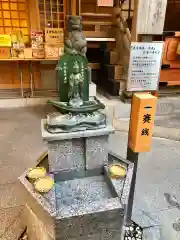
(142, 121)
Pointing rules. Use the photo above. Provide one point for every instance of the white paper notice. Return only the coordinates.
(144, 66)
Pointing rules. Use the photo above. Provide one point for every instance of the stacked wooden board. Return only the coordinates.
(113, 73)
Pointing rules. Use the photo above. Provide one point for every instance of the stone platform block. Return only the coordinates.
(65, 155)
(96, 151)
(77, 150)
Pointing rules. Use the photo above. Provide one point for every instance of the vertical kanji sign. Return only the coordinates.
(105, 3)
(142, 122)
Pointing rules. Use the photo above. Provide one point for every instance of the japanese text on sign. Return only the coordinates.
(105, 3)
(65, 72)
(145, 132)
(144, 66)
(146, 119)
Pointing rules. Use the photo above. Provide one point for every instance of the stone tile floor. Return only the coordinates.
(21, 146)
(158, 175)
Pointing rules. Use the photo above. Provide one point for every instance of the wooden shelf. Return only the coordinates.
(27, 59)
(94, 65)
(97, 23)
(96, 39)
(96, 15)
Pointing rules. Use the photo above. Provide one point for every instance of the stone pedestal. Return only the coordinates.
(77, 150)
(81, 205)
(85, 203)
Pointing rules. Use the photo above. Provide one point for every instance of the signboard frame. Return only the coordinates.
(144, 66)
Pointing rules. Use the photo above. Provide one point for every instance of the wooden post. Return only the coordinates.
(74, 7)
(79, 7)
(134, 22)
(34, 14)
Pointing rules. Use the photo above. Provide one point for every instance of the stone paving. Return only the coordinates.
(21, 146)
(158, 175)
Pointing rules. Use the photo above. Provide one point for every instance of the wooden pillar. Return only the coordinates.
(79, 7)
(134, 22)
(74, 7)
(34, 14)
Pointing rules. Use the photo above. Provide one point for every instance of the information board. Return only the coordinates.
(144, 66)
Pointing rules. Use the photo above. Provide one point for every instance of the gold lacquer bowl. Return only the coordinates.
(117, 171)
(36, 173)
(44, 185)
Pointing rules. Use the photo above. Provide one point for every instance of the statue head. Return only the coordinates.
(76, 68)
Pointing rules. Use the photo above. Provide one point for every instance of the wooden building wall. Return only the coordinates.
(36, 14)
(15, 15)
(27, 15)
(10, 75)
(172, 22)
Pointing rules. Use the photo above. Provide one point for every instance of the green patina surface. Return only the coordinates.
(87, 107)
(65, 69)
(73, 77)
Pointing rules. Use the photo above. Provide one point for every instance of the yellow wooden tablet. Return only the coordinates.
(35, 173)
(117, 171)
(44, 185)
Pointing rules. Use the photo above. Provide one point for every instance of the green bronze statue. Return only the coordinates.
(81, 112)
(76, 83)
(75, 47)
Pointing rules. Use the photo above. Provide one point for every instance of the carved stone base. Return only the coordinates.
(58, 123)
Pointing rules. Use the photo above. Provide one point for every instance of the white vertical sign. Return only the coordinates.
(150, 16)
(144, 66)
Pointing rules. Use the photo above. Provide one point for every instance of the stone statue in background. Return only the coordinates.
(75, 43)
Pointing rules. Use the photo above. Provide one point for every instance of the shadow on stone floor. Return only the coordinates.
(40, 111)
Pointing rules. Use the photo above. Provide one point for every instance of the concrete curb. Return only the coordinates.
(159, 131)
